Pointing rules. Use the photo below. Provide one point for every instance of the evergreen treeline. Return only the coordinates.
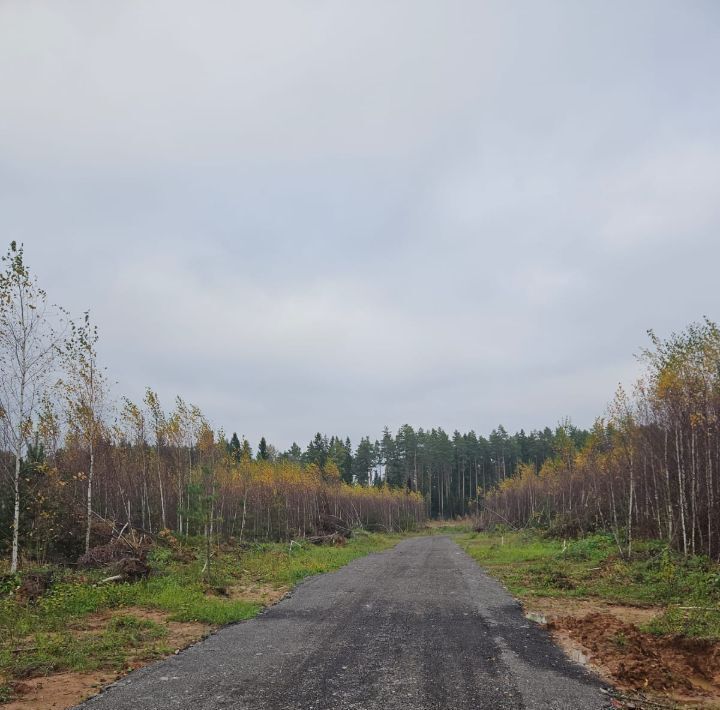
(452, 473)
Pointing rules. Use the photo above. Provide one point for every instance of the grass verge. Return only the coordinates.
(530, 565)
(81, 625)
(648, 623)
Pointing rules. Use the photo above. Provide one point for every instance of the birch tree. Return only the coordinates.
(159, 425)
(85, 389)
(134, 422)
(28, 345)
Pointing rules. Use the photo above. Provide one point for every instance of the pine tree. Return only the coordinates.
(234, 448)
(262, 450)
(317, 451)
(363, 462)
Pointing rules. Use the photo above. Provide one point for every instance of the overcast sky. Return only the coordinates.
(333, 216)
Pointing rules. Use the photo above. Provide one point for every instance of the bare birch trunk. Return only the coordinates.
(16, 518)
(91, 473)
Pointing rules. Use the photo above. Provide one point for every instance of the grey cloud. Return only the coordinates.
(312, 215)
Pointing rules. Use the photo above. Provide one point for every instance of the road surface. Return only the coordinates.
(418, 627)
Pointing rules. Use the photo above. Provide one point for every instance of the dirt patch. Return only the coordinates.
(553, 607)
(257, 593)
(606, 638)
(682, 669)
(180, 634)
(64, 690)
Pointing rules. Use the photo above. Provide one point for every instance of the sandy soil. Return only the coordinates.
(262, 594)
(671, 671)
(63, 690)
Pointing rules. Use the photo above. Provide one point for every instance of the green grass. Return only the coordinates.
(109, 648)
(47, 636)
(591, 568)
(450, 527)
(281, 566)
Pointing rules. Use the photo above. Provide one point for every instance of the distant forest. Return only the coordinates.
(452, 473)
(77, 467)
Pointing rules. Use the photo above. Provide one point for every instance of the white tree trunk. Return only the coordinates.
(16, 480)
(16, 519)
(89, 497)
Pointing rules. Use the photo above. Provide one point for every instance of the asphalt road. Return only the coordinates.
(418, 627)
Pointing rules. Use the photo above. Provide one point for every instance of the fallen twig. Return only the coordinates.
(114, 578)
(640, 701)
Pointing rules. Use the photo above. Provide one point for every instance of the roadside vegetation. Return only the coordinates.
(121, 519)
(650, 470)
(77, 466)
(530, 565)
(128, 530)
(648, 621)
(78, 623)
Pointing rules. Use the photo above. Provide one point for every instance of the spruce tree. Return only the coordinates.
(262, 450)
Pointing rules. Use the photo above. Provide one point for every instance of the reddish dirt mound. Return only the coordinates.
(640, 661)
(55, 692)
